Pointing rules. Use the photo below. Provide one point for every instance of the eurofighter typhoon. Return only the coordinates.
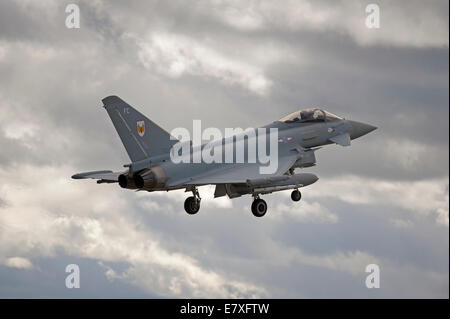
(237, 164)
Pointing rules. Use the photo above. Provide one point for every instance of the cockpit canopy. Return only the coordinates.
(310, 115)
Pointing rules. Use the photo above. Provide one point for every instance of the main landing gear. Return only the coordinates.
(259, 207)
(192, 203)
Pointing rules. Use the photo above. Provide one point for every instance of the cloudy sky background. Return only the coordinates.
(384, 200)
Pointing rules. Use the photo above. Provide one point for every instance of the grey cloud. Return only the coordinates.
(52, 79)
(47, 280)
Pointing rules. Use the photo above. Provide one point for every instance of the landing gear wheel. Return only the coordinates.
(191, 205)
(259, 207)
(296, 195)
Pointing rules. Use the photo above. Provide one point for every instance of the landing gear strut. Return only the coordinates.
(259, 207)
(296, 195)
(192, 203)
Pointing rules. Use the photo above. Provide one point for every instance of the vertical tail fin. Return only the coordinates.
(141, 137)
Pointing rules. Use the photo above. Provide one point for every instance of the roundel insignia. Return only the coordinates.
(141, 128)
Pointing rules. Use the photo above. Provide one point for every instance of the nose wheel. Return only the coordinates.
(259, 207)
(192, 203)
(296, 195)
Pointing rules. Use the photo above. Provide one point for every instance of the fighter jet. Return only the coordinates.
(151, 148)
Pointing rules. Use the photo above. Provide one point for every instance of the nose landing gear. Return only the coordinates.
(296, 195)
(259, 206)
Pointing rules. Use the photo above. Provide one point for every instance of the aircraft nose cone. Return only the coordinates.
(360, 129)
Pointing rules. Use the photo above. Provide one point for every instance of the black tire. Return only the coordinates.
(296, 195)
(259, 207)
(191, 205)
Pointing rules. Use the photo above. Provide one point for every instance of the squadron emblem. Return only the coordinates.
(141, 128)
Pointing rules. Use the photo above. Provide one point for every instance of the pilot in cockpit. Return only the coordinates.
(309, 115)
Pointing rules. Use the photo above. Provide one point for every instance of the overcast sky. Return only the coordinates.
(384, 200)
